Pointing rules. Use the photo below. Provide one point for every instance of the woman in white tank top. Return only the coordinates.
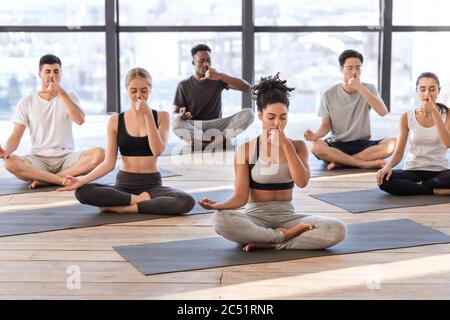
(426, 170)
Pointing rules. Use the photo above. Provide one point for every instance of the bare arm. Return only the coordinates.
(74, 111)
(242, 184)
(377, 104)
(14, 140)
(232, 82)
(297, 158)
(180, 104)
(402, 138)
(235, 83)
(384, 174)
(442, 128)
(157, 137)
(324, 128)
(111, 153)
(374, 102)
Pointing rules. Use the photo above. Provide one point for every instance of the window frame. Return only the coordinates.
(113, 28)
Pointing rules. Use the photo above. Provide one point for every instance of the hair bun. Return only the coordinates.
(271, 89)
(269, 83)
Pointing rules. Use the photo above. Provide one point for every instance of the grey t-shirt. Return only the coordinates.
(349, 113)
(203, 99)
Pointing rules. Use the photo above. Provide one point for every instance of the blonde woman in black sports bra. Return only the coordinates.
(140, 134)
(267, 169)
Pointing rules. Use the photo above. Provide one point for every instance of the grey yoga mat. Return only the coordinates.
(375, 199)
(218, 252)
(319, 169)
(79, 216)
(13, 185)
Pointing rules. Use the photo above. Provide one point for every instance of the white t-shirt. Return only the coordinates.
(49, 123)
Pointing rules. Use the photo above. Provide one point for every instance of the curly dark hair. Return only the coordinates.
(271, 90)
(200, 47)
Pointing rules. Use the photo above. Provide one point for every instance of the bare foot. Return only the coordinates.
(374, 164)
(296, 230)
(124, 209)
(289, 233)
(139, 198)
(441, 192)
(144, 196)
(333, 165)
(36, 184)
(255, 245)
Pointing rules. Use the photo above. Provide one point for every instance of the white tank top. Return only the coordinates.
(426, 152)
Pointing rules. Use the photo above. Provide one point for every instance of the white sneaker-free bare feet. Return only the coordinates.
(255, 245)
(296, 230)
(36, 184)
(123, 209)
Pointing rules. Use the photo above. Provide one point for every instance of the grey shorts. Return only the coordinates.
(53, 164)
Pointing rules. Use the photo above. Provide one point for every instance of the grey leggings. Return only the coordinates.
(231, 126)
(164, 200)
(260, 219)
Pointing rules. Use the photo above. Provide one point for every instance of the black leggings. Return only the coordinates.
(404, 182)
(164, 200)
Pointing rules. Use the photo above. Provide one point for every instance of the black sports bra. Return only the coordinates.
(131, 146)
(270, 176)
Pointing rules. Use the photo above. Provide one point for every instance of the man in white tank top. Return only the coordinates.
(48, 114)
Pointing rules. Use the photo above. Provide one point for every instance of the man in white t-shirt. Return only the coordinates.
(48, 114)
(345, 111)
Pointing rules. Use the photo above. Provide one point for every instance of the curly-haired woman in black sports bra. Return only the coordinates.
(267, 169)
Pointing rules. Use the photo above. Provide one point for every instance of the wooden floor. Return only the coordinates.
(35, 266)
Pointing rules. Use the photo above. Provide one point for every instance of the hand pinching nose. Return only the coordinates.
(137, 104)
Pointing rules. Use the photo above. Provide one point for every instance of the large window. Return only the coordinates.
(179, 13)
(419, 44)
(309, 61)
(99, 40)
(167, 56)
(317, 12)
(83, 66)
(414, 53)
(69, 13)
(421, 13)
